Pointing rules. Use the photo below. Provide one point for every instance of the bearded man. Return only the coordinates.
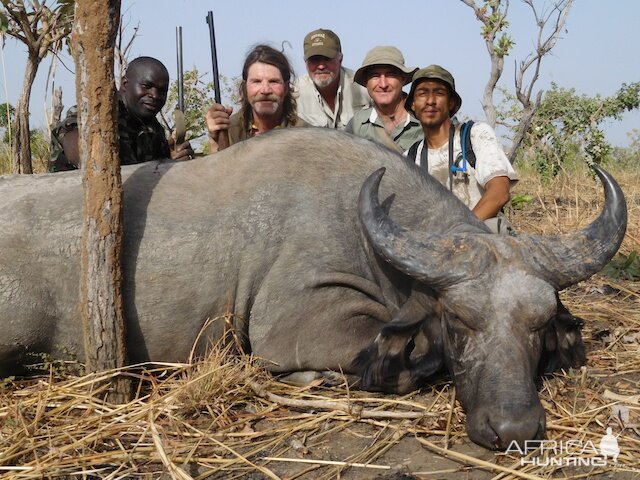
(328, 95)
(267, 101)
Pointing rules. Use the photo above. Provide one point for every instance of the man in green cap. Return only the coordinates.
(384, 73)
(483, 187)
(328, 96)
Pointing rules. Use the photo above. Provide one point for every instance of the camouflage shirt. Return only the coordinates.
(139, 142)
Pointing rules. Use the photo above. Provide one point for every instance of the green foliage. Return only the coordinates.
(628, 156)
(7, 112)
(198, 96)
(43, 28)
(495, 25)
(58, 367)
(569, 126)
(624, 267)
(5, 158)
(40, 152)
(7, 115)
(518, 201)
(4, 23)
(40, 149)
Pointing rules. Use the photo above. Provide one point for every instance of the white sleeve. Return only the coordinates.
(491, 160)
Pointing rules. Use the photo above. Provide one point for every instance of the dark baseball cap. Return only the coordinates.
(321, 42)
(433, 72)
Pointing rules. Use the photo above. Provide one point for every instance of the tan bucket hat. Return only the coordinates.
(433, 72)
(383, 55)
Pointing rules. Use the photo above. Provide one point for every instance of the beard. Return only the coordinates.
(326, 80)
(266, 104)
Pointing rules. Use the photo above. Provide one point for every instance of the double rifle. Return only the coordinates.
(180, 129)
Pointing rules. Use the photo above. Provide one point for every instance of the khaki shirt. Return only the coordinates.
(313, 109)
(491, 162)
(367, 124)
(237, 133)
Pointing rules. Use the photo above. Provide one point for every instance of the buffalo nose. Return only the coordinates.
(496, 427)
(507, 431)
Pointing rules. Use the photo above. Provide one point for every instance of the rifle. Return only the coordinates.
(180, 127)
(223, 138)
(214, 57)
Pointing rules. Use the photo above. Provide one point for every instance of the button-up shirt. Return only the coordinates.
(313, 109)
(367, 124)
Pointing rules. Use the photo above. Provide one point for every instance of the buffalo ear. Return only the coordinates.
(562, 343)
(402, 357)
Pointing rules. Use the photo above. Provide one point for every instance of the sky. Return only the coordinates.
(592, 56)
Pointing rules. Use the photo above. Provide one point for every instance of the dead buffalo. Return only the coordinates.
(286, 232)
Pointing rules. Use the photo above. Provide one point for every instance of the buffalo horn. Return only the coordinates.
(564, 260)
(437, 260)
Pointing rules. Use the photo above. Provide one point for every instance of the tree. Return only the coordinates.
(567, 123)
(42, 29)
(93, 41)
(494, 17)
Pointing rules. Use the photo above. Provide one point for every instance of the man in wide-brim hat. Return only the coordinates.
(387, 122)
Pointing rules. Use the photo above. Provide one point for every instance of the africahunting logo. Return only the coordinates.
(567, 453)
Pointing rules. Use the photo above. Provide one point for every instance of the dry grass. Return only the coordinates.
(225, 418)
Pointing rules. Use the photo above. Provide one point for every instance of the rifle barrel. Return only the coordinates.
(180, 69)
(214, 57)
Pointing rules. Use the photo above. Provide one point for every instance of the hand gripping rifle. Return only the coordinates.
(180, 126)
(223, 138)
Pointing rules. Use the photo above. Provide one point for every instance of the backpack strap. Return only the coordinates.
(412, 153)
(467, 155)
(465, 144)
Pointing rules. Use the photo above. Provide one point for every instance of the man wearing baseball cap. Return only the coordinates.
(328, 97)
(384, 73)
(484, 188)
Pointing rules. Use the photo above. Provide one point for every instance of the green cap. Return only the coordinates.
(321, 42)
(433, 72)
(383, 55)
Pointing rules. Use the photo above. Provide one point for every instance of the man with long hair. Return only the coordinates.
(267, 101)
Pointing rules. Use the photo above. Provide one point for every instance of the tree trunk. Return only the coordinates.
(497, 67)
(21, 140)
(93, 40)
(56, 110)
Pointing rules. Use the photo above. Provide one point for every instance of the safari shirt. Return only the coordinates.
(491, 162)
(237, 133)
(313, 109)
(367, 124)
(139, 142)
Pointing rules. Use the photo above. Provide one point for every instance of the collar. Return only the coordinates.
(373, 117)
